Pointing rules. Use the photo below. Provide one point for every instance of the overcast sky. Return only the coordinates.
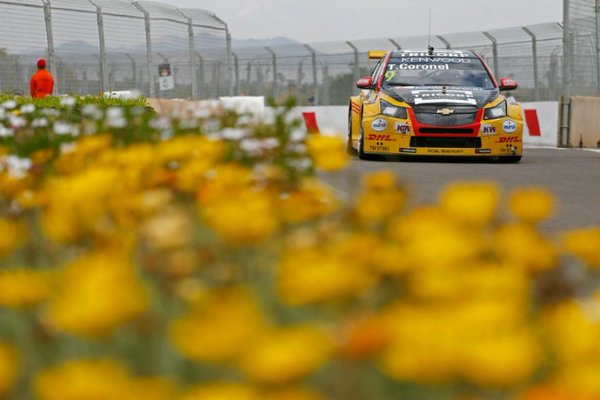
(325, 20)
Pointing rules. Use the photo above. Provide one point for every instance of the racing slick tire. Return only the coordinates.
(509, 159)
(349, 149)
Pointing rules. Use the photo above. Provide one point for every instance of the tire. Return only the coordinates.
(349, 149)
(509, 159)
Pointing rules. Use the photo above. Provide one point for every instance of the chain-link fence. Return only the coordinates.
(106, 45)
(324, 73)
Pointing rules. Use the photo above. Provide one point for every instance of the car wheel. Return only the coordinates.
(509, 159)
(349, 149)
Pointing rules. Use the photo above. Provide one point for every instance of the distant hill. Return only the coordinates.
(277, 41)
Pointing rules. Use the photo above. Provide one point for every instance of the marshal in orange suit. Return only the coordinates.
(42, 82)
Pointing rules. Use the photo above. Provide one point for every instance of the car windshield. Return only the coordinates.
(416, 69)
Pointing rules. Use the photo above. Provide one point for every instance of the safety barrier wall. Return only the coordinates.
(585, 122)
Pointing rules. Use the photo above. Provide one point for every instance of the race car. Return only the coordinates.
(434, 103)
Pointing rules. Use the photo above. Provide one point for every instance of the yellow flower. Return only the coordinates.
(292, 394)
(169, 229)
(97, 294)
(244, 219)
(380, 199)
(328, 152)
(83, 379)
(311, 200)
(152, 389)
(310, 275)
(531, 205)
(12, 235)
(280, 356)
(584, 244)
(223, 391)
(471, 202)
(522, 245)
(21, 287)
(9, 366)
(218, 326)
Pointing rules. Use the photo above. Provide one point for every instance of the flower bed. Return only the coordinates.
(148, 258)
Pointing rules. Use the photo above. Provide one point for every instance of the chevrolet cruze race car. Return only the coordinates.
(438, 103)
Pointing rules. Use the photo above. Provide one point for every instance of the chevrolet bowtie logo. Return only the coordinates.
(445, 111)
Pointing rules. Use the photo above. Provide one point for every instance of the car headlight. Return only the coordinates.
(495, 112)
(392, 111)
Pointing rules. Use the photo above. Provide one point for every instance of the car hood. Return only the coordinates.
(422, 95)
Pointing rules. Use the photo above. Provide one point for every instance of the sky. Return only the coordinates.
(332, 20)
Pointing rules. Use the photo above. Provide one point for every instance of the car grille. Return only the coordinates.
(462, 115)
(446, 142)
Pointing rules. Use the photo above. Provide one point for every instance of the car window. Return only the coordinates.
(437, 71)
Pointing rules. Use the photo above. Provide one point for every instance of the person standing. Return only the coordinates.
(42, 82)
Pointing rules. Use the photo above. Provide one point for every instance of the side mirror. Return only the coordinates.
(365, 83)
(508, 84)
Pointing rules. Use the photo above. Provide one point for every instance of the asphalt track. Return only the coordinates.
(572, 175)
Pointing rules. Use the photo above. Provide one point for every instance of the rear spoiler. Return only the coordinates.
(376, 54)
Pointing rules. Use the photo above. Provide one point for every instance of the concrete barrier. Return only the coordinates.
(334, 119)
(585, 122)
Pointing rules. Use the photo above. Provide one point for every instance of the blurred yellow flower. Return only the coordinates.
(471, 202)
(218, 325)
(12, 235)
(310, 275)
(584, 244)
(311, 200)
(169, 229)
(291, 394)
(531, 205)
(364, 337)
(328, 152)
(97, 293)
(280, 356)
(9, 367)
(151, 389)
(522, 245)
(244, 219)
(84, 379)
(380, 198)
(223, 391)
(22, 287)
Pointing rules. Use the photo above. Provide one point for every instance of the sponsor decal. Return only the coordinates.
(373, 136)
(424, 67)
(445, 151)
(379, 148)
(402, 127)
(483, 151)
(488, 130)
(456, 53)
(379, 125)
(408, 150)
(509, 126)
(437, 60)
(505, 139)
(448, 96)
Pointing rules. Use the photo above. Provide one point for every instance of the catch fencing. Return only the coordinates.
(324, 73)
(95, 46)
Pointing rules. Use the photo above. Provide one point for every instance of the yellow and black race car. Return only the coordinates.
(438, 103)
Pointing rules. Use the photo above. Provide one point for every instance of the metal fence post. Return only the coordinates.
(274, 60)
(133, 69)
(236, 72)
(597, 18)
(443, 40)
(536, 93)
(50, 40)
(229, 66)
(151, 78)
(356, 61)
(567, 75)
(392, 41)
(191, 51)
(313, 54)
(326, 85)
(103, 65)
(494, 52)
(248, 78)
